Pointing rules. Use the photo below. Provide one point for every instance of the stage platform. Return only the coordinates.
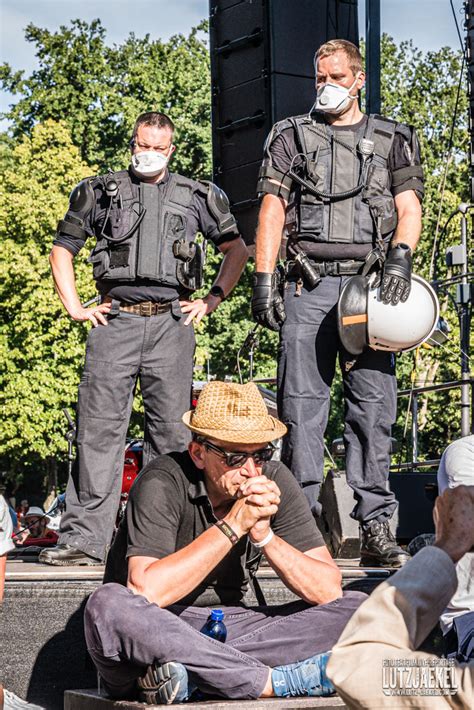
(42, 648)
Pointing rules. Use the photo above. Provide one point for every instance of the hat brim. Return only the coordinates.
(276, 429)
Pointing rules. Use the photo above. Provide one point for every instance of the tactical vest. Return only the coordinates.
(137, 231)
(333, 165)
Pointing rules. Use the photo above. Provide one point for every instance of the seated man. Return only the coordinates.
(37, 532)
(375, 664)
(183, 545)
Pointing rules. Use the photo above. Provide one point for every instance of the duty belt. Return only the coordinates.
(329, 268)
(338, 268)
(145, 308)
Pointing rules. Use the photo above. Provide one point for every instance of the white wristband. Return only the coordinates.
(265, 540)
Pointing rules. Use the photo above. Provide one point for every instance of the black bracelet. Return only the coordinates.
(227, 530)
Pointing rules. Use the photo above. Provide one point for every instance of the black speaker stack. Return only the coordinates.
(262, 71)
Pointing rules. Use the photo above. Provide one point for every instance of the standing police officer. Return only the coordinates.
(346, 190)
(146, 265)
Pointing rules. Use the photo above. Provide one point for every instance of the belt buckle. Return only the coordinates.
(146, 308)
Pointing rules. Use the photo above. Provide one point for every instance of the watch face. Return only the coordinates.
(218, 292)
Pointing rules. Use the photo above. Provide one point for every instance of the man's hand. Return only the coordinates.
(199, 308)
(396, 280)
(96, 314)
(267, 304)
(263, 492)
(454, 521)
(258, 499)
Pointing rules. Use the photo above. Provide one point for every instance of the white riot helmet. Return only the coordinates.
(365, 321)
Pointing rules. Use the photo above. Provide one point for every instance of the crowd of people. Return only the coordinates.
(346, 189)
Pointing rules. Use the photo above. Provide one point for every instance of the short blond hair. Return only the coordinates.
(341, 45)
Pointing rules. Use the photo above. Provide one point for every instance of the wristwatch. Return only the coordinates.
(217, 292)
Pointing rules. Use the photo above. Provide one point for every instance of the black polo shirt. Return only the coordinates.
(168, 508)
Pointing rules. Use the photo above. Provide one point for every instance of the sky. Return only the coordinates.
(429, 23)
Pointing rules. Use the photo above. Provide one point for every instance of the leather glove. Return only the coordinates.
(267, 304)
(396, 281)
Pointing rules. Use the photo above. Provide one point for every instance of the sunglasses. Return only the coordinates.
(237, 458)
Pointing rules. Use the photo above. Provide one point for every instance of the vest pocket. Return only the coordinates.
(99, 258)
(311, 206)
(174, 229)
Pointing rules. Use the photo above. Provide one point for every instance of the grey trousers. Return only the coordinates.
(156, 350)
(125, 634)
(308, 351)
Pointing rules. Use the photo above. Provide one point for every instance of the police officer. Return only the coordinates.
(345, 188)
(146, 264)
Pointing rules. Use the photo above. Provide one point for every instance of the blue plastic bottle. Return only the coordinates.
(215, 627)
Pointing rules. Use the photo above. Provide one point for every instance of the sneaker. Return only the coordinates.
(164, 684)
(379, 548)
(303, 678)
(13, 702)
(64, 555)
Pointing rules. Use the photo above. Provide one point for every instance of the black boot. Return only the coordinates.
(379, 548)
(65, 555)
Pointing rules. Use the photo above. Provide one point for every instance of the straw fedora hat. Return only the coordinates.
(235, 413)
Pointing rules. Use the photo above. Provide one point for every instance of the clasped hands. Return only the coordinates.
(257, 501)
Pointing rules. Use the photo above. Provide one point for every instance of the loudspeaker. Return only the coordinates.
(415, 492)
(262, 71)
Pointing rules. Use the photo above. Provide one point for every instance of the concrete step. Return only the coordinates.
(91, 700)
(42, 647)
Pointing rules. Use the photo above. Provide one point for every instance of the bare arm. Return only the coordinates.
(312, 575)
(61, 261)
(271, 221)
(409, 219)
(235, 257)
(169, 579)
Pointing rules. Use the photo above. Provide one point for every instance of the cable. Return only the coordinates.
(457, 26)
(448, 162)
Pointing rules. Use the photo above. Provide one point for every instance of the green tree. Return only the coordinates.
(98, 91)
(40, 347)
(74, 117)
(422, 90)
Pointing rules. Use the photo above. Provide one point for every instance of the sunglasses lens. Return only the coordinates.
(236, 459)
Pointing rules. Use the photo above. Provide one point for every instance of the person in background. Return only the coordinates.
(37, 532)
(345, 189)
(147, 265)
(6, 542)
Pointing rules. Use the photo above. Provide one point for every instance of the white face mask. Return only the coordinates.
(334, 98)
(149, 163)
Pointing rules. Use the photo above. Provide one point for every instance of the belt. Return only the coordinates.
(338, 268)
(328, 268)
(145, 308)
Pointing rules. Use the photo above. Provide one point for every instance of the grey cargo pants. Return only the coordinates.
(157, 350)
(125, 634)
(309, 348)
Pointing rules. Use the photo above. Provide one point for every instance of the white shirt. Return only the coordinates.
(6, 528)
(456, 468)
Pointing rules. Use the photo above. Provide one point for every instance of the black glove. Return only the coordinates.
(267, 304)
(396, 281)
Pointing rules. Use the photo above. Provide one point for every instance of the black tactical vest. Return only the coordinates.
(138, 228)
(332, 165)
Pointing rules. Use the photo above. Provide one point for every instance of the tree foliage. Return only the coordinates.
(428, 92)
(40, 347)
(98, 91)
(74, 117)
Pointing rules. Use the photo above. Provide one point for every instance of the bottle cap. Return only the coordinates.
(217, 614)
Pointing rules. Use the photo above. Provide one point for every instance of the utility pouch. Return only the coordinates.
(190, 264)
